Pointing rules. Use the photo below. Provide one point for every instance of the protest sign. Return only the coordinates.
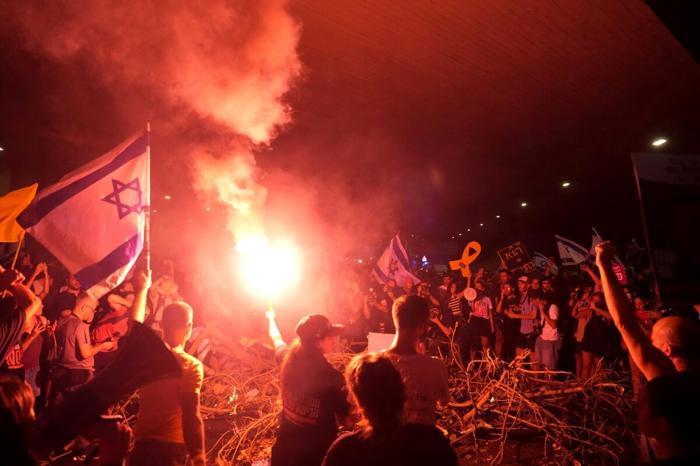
(516, 256)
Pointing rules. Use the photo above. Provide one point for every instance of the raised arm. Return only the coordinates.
(11, 281)
(649, 359)
(142, 283)
(273, 331)
(596, 280)
(40, 268)
(39, 327)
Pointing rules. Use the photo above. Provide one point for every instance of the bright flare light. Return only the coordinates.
(268, 269)
(659, 142)
(566, 184)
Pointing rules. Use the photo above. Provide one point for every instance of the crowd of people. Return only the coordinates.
(559, 319)
(397, 390)
(54, 338)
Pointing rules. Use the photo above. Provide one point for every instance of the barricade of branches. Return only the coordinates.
(575, 421)
(493, 401)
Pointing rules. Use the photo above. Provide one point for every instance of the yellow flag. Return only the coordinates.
(11, 205)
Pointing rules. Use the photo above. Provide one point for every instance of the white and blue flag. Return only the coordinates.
(394, 264)
(570, 252)
(93, 219)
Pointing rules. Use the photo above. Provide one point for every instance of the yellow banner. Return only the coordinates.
(11, 205)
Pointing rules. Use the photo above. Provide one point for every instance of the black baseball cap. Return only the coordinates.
(314, 327)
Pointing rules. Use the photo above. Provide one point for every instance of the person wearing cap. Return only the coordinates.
(527, 313)
(314, 397)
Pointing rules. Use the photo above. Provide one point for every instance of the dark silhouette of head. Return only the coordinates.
(177, 323)
(410, 313)
(679, 339)
(16, 416)
(378, 391)
(669, 412)
(16, 397)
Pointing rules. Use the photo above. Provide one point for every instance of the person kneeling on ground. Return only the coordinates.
(384, 440)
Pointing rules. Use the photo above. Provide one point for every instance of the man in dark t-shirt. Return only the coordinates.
(313, 394)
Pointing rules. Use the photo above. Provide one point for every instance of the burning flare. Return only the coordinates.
(268, 270)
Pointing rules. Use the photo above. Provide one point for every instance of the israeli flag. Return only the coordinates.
(93, 219)
(570, 252)
(542, 262)
(394, 264)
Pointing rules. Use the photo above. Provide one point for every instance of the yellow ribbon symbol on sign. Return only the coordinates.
(471, 252)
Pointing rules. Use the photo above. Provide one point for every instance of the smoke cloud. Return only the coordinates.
(231, 61)
(225, 64)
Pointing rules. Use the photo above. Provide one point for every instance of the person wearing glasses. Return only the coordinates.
(74, 352)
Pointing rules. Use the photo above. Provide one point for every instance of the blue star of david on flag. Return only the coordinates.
(115, 197)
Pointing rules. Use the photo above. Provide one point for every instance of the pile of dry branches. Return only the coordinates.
(495, 405)
(574, 421)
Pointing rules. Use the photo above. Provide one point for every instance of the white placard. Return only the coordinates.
(379, 341)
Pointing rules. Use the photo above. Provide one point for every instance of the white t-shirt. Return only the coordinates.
(549, 333)
(425, 381)
(481, 307)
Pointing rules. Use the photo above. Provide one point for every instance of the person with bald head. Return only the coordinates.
(668, 360)
(169, 429)
(75, 351)
(675, 341)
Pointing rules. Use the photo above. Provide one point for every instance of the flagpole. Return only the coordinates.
(19, 248)
(147, 214)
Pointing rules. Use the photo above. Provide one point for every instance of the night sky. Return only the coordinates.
(427, 118)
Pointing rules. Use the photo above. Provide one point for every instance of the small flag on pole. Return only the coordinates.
(394, 264)
(93, 219)
(542, 262)
(570, 252)
(11, 206)
(595, 240)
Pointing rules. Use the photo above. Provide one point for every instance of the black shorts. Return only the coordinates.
(479, 327)
(526, 341)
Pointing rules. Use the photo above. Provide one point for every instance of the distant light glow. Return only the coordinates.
(481, 224)
(659, 142)
(153, 211)
(167, 197)
(1, 149)
(566, 184)
(498, 216)
(208, 209)
(523, 204)
(359, 261)
(469, 229)
(268, 269)
(460, 234)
